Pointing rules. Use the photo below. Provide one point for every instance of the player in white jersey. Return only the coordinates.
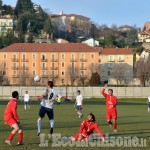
(48, 98)
(149, 104)
(26, 100)
(79, 103)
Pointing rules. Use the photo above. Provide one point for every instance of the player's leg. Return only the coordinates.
(13, 124)
(25, 105)
(114, 118)
(42, 112)
(50, 114)
(108, 118)
(79, 111)
(28, 104)
(20, 135)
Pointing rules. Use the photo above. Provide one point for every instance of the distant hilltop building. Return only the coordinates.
(144, 36)
(125, 28)
(91, 42)
(65, 22)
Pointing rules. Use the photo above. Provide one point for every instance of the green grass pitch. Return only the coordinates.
(133, 120)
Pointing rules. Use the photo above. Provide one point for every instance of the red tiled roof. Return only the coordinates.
(68, 15)
(46, 47)
(147, 32)
(116, 51)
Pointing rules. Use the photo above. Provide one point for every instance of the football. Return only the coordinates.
(37, 78)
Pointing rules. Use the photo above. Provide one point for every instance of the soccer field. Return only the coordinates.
(133, 120)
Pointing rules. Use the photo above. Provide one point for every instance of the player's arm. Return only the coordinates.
(103, 91)
(98, 130)
(14, 111)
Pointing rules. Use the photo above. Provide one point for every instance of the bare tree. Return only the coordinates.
(119, 72)
(143, 70)
(72, 74)
(2, 73)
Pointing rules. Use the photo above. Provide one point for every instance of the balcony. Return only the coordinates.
(15, 76)
(15, 59)
(54, 60)
(44, 60)
(54, 68)
(83, 68)
(25, 60)
(83, 60)
(25, 76)
(73, 60)
(15, 68)
(120, 60)
(44, 76)
(111, 60)
(24, 68)
(53, 76)
(44, 68)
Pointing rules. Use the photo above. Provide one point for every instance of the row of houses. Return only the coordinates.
(64, 63)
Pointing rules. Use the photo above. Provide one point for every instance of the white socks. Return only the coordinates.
(39, 122)
(25, 107)
(52, 123)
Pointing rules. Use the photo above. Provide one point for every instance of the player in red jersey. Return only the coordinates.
(11, 118)
(86, 129)
(111, 103)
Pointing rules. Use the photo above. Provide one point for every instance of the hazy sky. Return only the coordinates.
(119, 12)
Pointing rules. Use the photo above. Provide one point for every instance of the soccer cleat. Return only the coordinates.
(19, 143)
(38, 134)
(115, 130)
(81, 115)
(8, 142)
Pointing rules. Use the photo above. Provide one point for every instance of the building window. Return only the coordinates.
(82, 56)
(24, 65)
(62, 81)
(23, 56)
(82, 73)
(72, 56)
(33, 73)
(62, 56)
(5, 65)
(14, 72)
(53, 73)
(14, 65)
(43, 73)
(33, 56)
(63, 64)
(43, 65)
(120, 57)
(110, 65)
(111, 58)
(63, 73)
(5, 56)
(43, 57)
(82, 65)
(34, 64)
(14, 56)
(92, 56)
(53, 57)
(72, 65)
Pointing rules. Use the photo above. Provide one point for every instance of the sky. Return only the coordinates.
(119, 12)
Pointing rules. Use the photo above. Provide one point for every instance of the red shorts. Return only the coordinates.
(111, 114)
(84, 135)
(10, 121)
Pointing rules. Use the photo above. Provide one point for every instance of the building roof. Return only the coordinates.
(146, 32)
(67, 15)
(116, 51)
(125, 26)
(49, 47)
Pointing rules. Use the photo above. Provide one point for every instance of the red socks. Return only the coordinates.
(20, 137)
(11, 137)
(115, 126)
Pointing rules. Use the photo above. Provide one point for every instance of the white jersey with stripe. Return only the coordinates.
(149, 99)
(50, 94)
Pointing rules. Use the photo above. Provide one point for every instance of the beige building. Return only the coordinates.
(124, 28)
(64, 22)
(65, 63)
(6, 24)
(116, 65)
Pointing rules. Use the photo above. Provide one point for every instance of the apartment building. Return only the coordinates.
(116, 64)
(64, 63)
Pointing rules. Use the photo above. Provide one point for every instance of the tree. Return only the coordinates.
(143, 70)
(132, 36)
(119, 73)
(1, 4)
(23, 6)
(48, 26)
(30, 38)
(82, 80)
(109, 40)
(114, 27)
(95, 79)
(7, 10)
(94, 31)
